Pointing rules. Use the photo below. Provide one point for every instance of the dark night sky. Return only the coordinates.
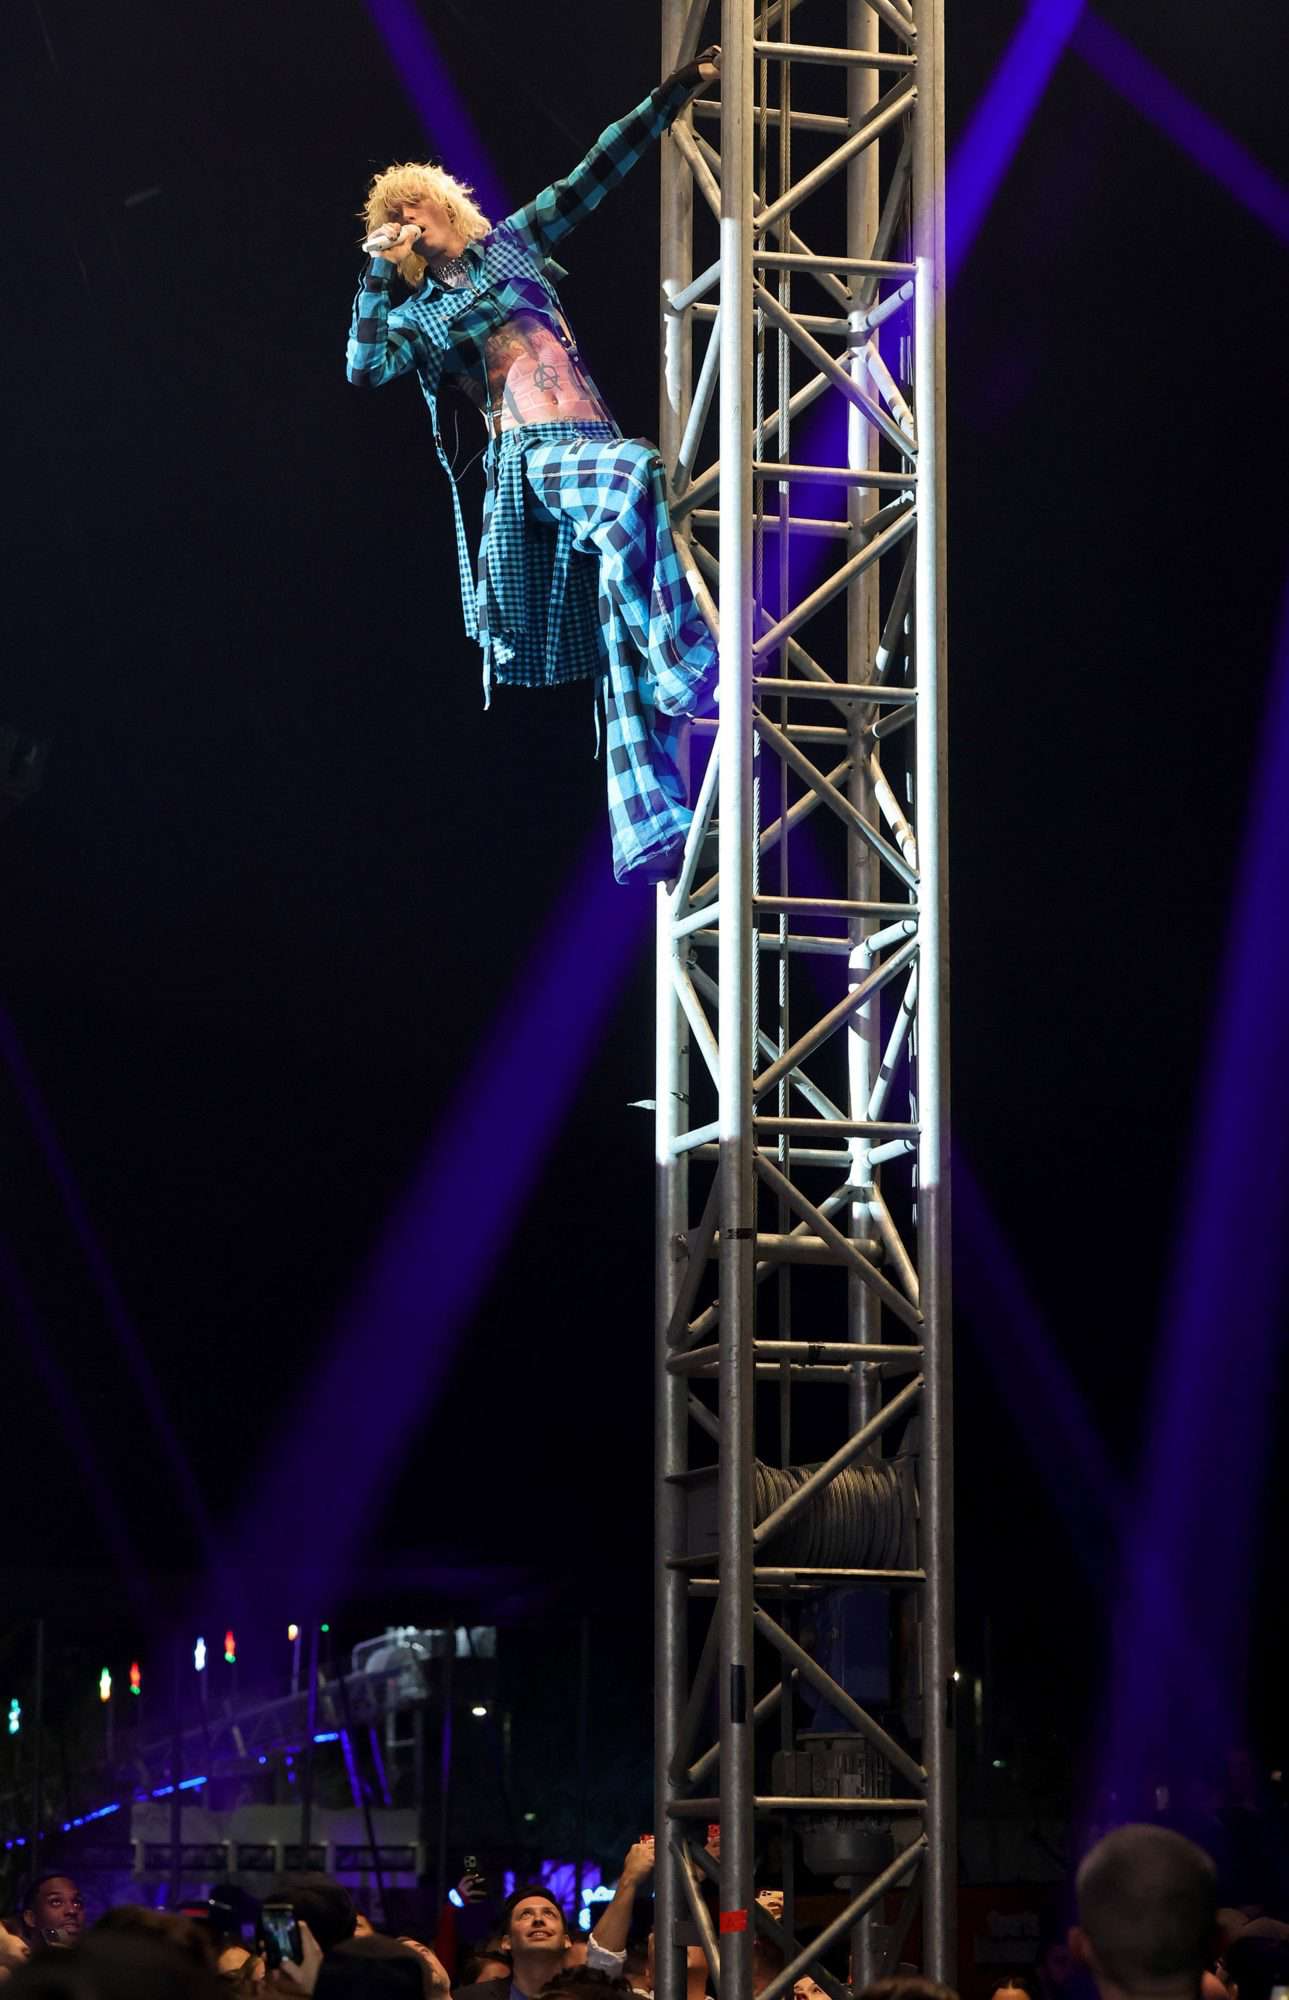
(284, 869)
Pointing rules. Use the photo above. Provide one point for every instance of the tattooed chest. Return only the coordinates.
(533, 374)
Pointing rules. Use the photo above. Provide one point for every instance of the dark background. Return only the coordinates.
(284, 870)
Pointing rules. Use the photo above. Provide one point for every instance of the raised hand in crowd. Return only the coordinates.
(611, 1931)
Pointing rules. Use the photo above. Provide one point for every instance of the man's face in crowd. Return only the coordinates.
(57, 1905)
(536, 1925)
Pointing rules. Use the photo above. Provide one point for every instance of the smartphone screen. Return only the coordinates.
(281, 1935)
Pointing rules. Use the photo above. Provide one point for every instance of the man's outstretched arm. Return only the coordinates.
(562, 205)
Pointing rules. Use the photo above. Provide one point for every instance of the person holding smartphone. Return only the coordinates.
(608, 1942)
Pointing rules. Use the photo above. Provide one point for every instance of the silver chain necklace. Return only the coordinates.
(452, 271)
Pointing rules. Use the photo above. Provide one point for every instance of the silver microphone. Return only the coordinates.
(376, 245)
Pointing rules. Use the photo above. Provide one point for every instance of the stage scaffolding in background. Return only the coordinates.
(804, 1422)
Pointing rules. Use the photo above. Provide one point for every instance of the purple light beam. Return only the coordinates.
(999, 122)
(975, 171)
(1167, 108)
(65, 1407)
(1184, 1586)
(118, 1315)
(396, 1341)
(439, 105)
(1030, 1376)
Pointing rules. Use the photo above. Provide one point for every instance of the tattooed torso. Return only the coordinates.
(533, 377)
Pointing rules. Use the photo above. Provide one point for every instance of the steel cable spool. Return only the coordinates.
(865, 1511)
(855, 1522)
(879, 1493)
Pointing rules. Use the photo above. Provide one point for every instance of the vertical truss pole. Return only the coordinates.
(933, 1000)
(863, 617)
(672, 1173)
(737, 1007)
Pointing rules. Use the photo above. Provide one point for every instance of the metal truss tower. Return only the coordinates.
(804, 1423)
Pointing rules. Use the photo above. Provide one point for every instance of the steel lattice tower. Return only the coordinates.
(804, 1422)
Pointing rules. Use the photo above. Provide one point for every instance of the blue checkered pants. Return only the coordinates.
(661, 655)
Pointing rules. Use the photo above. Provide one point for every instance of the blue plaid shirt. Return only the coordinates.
(439, 333)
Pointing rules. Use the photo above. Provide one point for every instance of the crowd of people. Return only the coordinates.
(1148, 1928)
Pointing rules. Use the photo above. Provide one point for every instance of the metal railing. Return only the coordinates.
(225, 1737)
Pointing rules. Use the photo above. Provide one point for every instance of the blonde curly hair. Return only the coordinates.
(416, 181)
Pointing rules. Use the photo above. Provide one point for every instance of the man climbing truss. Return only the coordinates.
(577, 572)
